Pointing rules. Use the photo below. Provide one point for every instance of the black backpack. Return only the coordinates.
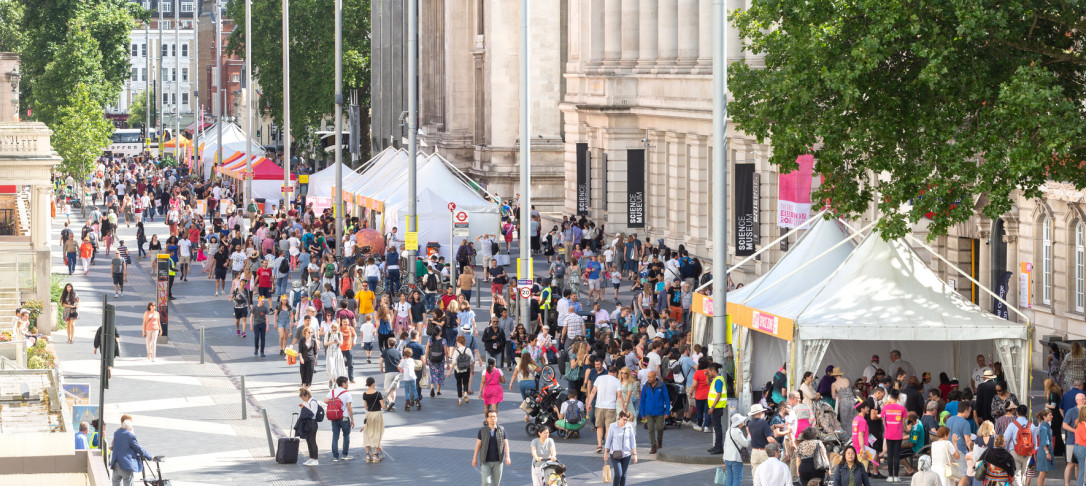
(494, 250)
(284, 267)
(431, 282)
(463, 360)
(437, 353)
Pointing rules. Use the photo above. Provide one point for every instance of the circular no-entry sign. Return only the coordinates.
(461, 216)
(525, 292)
(452, 207)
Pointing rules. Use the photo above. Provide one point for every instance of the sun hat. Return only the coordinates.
(756, 409)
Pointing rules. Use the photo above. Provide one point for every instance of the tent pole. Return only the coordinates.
(764, 247)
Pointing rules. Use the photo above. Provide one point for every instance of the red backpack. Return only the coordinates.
(335, 407)
(1023, 441)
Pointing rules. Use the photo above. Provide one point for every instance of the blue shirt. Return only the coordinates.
(952, 407)
(593, 270)
(621, 439)
(1068, 400)
(960, 426)
(81, 442)
(1069, 418)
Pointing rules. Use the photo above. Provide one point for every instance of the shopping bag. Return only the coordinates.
(606, 473)
(721, 477)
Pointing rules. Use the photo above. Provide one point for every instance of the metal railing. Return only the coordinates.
(8, 225)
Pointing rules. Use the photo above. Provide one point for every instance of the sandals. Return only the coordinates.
(369, 458)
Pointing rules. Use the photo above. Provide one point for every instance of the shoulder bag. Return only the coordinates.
(822, 463)
(951, 467)
(617, 454)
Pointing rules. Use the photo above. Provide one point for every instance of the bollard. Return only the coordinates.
(201, 344)
(244, 409)
(267, 428)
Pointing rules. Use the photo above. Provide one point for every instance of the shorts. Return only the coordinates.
(241, 312)
(118, 279)
(367, 346)
(605, 417)
(615, 285)
(182, 260)
(593, 284)
(562, 424)
(220, 274)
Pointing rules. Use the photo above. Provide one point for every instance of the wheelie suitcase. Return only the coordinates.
(287, 450)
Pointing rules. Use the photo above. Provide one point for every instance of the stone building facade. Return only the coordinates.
(469, 89)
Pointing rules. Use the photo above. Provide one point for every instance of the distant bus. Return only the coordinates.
(128, 142)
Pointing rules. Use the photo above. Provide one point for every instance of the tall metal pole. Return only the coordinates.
(147, 84)
(197, 110)
(525, 158)
(248, 101)
(412, 129)
(219, 89)
(720, 181)
(177, 82)
(338, 196)
(162, 78)
(286, 102)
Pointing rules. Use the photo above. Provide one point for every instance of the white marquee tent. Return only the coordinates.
(322, 183)
(385, 181)
(881, 296)
(233, 140)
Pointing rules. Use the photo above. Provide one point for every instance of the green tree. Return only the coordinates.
(918, 106)
(78, 62)
(81, 132)
(137, 111)
(12, 37)
(46, 24)
(312, 51)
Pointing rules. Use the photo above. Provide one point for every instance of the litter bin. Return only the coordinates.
(432, 248)
(260, 205)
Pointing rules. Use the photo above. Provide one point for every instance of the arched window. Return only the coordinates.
(1046, 261)
(1080, 266)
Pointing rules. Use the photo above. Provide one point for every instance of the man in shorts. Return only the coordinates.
(605, 390)
(565, 417)
(595, 278)
(120, 273)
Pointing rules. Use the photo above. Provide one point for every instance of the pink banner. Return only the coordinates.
(794, 194)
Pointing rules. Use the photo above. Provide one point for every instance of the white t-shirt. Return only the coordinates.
(609, 255)
(237, 261)
(344, 396)
(369, 332)
(565, 408)
(403, 309)
(408, 367)
(607, 391)
(978, 375)
(654, 361)
(185, 247)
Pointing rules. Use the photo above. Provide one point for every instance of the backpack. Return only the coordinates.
(431, 282)
(319, 416)
(494, 250)
(437, 353)
(329, 270)
(335, 407)
(559, 270)
(1023, 441)
(463, 360)
(284, 266)
(573, 412)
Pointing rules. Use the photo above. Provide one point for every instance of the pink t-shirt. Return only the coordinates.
(893, 415)
(859, 432)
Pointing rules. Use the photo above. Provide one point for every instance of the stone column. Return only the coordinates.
(735, 49)
(595, 34)
(705, 37)
(688, 35)
(648, 34)
(669, 35)
(612, 36)
(630, 33)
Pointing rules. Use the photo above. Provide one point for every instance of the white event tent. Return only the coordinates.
(233, 141)
(875, 298)
(322, 184)
(382, 188)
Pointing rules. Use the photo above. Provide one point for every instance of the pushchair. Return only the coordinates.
(834, 437)
(678, 406)
(542, 412)
(552, 473)
(156, 475)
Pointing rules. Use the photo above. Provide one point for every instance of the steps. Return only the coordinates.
(22, 213)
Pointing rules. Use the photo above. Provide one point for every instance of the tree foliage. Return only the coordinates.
(12, 38)
(81, 132)
(918, 106)
(137, 111)
(47, 25)
(78, 62)
(312, 60)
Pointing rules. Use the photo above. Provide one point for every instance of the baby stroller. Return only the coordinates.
(834, 437)
(678, 406)
(553, 473)
(542, 412)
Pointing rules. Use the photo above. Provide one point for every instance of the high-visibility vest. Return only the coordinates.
(545, 298)
(722, 397)
(173, 267)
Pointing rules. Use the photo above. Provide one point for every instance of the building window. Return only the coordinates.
(187, 7)
(144, 74)
(135, 74)
(184, 50)
(184, 75)
(135, 50)
(165, 98)
(166, 25)
(144, 49)
(165, 6)
(185, 100)
(1046, 261)
(234, 78)
(1080, 266)
(165, 50)
(173, 74)
(173, 50)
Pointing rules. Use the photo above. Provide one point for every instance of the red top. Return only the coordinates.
(893, 416)
(264, 277)
(701, 385)
(194, 236)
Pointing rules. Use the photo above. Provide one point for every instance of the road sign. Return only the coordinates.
(525, 292)
(288, 189)
(460, 219)
(452, 207)
(460, 232)
(524, 283)
(411, 241)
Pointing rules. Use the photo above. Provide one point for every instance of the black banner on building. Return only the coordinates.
(744, 209)
(999, 308)
(756, 198)
(635, 188)
(583, 185)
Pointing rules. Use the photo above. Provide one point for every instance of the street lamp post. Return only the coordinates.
(248, 100)
(286, 101)
(413, 131)
(219, 91)
(525, 269)
(720, 181)
(339, 129)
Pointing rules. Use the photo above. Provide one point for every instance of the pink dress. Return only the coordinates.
(492, 387)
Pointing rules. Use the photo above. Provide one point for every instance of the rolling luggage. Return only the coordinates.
(287, 450)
